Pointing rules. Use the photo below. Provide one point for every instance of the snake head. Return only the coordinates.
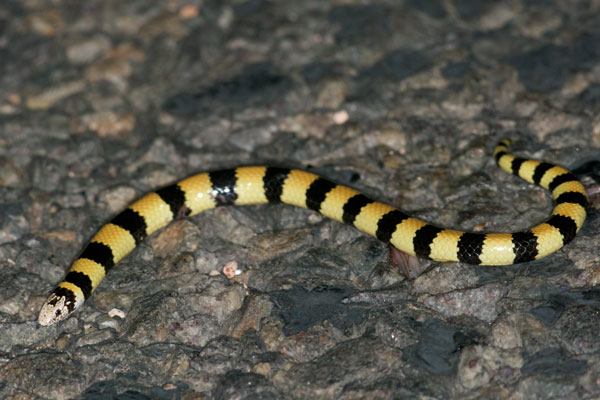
(61, 303)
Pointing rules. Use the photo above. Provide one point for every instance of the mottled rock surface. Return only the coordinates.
(101, 102)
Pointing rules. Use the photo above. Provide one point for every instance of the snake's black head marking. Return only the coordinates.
(61, 303)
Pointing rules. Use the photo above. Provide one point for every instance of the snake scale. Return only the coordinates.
(259, 185)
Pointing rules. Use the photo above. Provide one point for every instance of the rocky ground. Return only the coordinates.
(102, 101)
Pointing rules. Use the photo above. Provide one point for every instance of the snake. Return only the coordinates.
(265, 184)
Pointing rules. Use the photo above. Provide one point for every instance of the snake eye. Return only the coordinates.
(57, 312)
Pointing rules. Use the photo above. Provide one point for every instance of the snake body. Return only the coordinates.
(261, 184)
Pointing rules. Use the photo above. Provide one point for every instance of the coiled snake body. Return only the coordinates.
(259, 185)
